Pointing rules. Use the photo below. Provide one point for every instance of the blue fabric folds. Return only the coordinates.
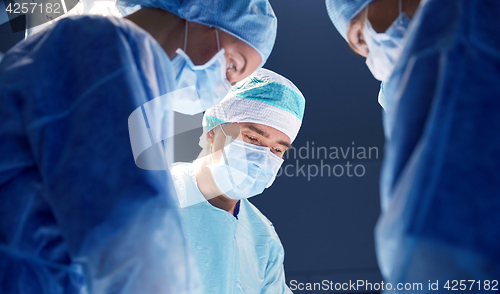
(440, 181)
(76, 213)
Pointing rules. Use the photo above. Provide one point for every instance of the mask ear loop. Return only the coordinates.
(227, 142)
(367, 21)
(217, 37)
(400, 7)
(223, 151)
(185, 36)
(368, 24)
(223, 131)
(225, 157)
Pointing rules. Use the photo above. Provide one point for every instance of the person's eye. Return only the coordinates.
(253, 139)
(277, 150)
(232, 66)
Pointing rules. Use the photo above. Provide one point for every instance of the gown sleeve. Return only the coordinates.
(74, 88)
(441, 174)
(274, 279)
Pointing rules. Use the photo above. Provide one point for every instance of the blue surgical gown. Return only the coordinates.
(233, 255)
(440, 184)
(76, 214)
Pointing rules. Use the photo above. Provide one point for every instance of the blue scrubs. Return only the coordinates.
(233, 255)
(441, 176)
(76, 213)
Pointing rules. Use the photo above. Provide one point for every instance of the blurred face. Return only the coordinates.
(253, 133)
(241, 59)
(381, 14)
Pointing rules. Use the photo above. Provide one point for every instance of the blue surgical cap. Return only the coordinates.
(252, 21)
(264, 97)
(341, 12)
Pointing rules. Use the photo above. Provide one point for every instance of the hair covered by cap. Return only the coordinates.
(341, 12)
(264, 97)
(252, 21)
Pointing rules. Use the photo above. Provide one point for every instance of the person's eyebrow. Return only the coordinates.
(287, 145)
(258, 131)
(264, 134)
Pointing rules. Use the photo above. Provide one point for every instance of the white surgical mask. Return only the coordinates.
(208, 82)
(244, 170)
(385, 48)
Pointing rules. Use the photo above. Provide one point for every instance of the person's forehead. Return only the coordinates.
(241, 46)
(256, 126)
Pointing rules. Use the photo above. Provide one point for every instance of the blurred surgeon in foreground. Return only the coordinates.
(235, 246)
(76, 213)
(440, 182)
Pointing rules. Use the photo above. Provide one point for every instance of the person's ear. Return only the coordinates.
(210, 136)
(355, 36)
